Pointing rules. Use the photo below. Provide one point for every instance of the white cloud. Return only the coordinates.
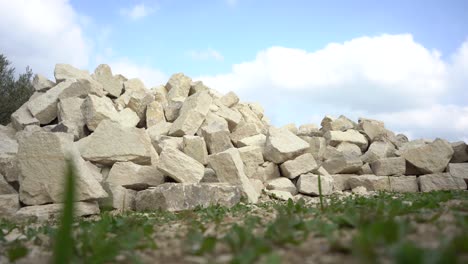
(206, 55)
(150, 76)
(42, 33)
(389, 76)
(138, 11)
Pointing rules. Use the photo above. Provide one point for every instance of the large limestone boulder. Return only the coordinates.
(342, 123)
(300, 165)
(460, 152)
(120, 198)
(232, 116)
(378, 150)
(134, 176)
(179, 166)
(256, 140)
(458, 170)
(340, 182)
(317, 146)
(70, 114)
(370, 182)
(389, 166)
(42, 159)
(404, 184)
(95, 109)
(41, 83)
(139, 101)
(309, 184)
(112, 142)
(374, 129)
(9, 205)
(429, 158)
(252, 157)
(282, 184)
(6, 188)
(22, 118)
(192, 114)
(440, 181)
(217, 137)
(8, 150)
(230, 99)
(242, 131)
(195, 147)
(229, 168)
(168, 142)
(110, 84)
(351, 136)
(154, 114)
(267, 171)
(187, 196)
(178, 86)
(53, 211)
(63, 72)
(282, 145)
(340, 163)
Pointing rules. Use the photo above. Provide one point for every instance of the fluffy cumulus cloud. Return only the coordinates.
(390, 77)
(41, 33)
(137, 11)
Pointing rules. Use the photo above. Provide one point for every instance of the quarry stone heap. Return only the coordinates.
(182, 145)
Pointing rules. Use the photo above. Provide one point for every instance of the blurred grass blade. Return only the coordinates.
(63, 248)
(320, 192)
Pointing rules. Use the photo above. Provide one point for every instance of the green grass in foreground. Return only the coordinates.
(384, 228)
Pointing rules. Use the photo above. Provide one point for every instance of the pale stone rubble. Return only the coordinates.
(182, 145)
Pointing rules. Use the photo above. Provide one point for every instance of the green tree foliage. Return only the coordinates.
(13, 92)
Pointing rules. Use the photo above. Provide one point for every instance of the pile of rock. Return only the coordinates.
(181, 145)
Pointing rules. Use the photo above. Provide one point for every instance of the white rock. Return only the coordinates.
(351, 136)
(360, 190)
(340, 163)
(198, 86)
(374, 129)
(282, 184)
(458, 170)
(63, 72)
(267, 171)
(179, 166)
(229, 168)
(308, 130)
(282, 145)
(309, 184)
(404, 184)
(112, 142)
(41, 83)
(120, 198)
(230, 99)
(257, 140)
(42, 159)
(252, 157)
(172, 109)
(430, 158)
(96, 109)
(178, 86)
(187, 196)
(139, 102)
(291, 127)
(317, 146)
(257, 184)
(6, 188)
(300, 165)
(53, 211)
(349, 148)
(440, 181)
(168, 142)
(22, 118)
(389, 166)
(154, 114)
(217, 138)
(69, 112)
(195, 147)
(370, 182)
(209, 176)
(232, 116)
(157, 131)
(342, 123)
(9, 205)
(250, 116)
(134, 176)
(111, 84)
(242, 131)
(378, 150)
(340, 182)
(127, 118)
(192, 114)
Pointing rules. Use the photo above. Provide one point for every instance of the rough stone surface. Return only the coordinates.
(252, 158)
(217, 138)
(243, 131)
(340, 182)
(120, 198)
(257, 140)
(69, 112)
(232, 116)
(209, 176)
(342, 164)
(374, 129)
(42, 160)
(370, 182)
(178, 197)
(378, 150)
(96, 109)
(230, 99)
(111, 84)
(282, 145)
(195, 147)
(280, 195)
(53, 211)
(250, 116)
(300, 165)
(349, 148)
(430, 158)
(168, 142)
(154, 114)
(460, 152)
(440, 181)
(22, 118)
(308, 130)
(179, 166)
(134, 176)
(351, 136)
(267, 171)
(282, 184)
(404, 184)
(389, 166)
(63, 72)
(308, 184)
(178, 86)
(41, 83)
(9, 205)
(6, 188)
(192, 114)
(172, 109)
(458, 170)
(342, 123)
(317, 146)
(229, 168)
(111, 142)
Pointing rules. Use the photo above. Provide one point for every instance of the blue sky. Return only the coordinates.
(403, 62)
